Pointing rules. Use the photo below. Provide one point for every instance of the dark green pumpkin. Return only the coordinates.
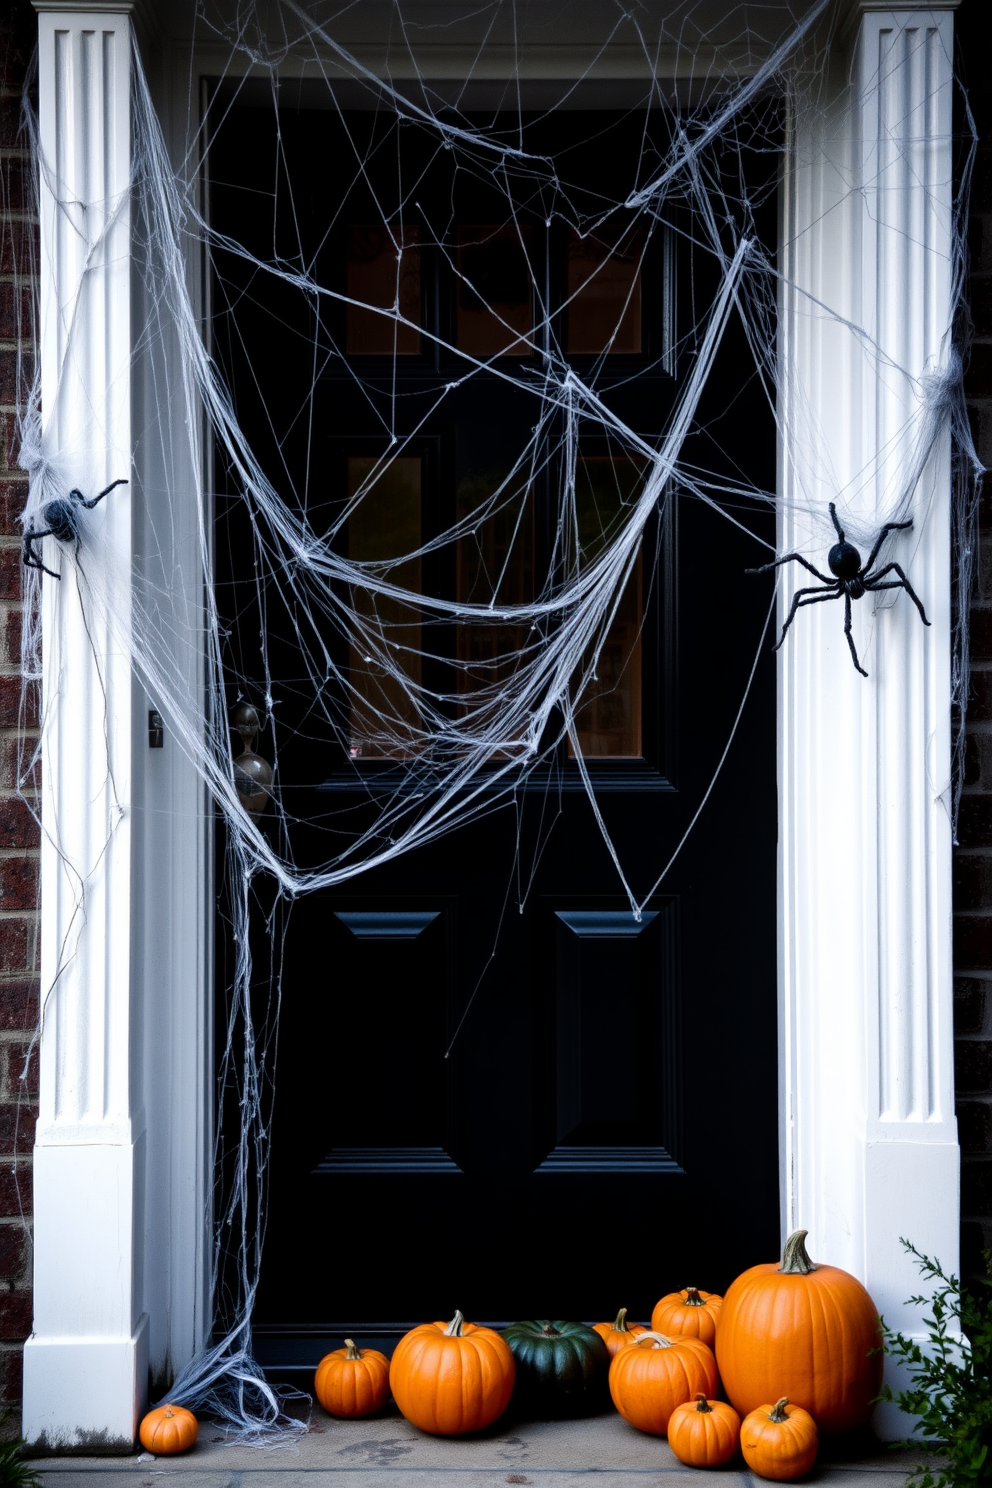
(561, 1368)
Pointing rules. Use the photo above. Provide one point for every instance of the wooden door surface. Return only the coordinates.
(496, 1089)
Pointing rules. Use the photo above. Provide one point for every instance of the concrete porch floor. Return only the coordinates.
(387, 1452)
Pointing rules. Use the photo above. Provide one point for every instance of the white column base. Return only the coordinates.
(911, 1192)
(69, 1383)
(86, 1363)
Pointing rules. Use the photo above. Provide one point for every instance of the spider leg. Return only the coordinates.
(833, 518)
(30, 558)
(89, 505)
(901, 583)
(790, 558)
(889, 527)
(850, 639)
(799, 599)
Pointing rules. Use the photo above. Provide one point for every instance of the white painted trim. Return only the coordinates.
(173, 859)
(123, 1151)
(868, 1124)
(89, 1133)
(86, 1379)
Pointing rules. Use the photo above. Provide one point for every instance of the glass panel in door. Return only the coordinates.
(385, 654)
(608, 717)
(383, 272)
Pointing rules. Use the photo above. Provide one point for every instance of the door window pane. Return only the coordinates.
(608, 717)
(383, 270)
(604, 292)
(385, 524)
(495, 563)
(494, 301)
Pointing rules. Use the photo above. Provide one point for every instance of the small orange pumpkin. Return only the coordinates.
(704, 1433)
(451, 1378)
(618, 1334)
(352, 1382)
(807, 1330)
(654, 1374)
(779, 1441)
(689, 1312)
(168, 1429)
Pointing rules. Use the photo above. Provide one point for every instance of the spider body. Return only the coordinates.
(61, 519)
(844, 562)
(850, 579)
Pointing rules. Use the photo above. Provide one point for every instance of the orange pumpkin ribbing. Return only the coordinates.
(704, 1433)
(779, 1441)
(807, 1335)
(653, 1375)
(352, 1382)
(168, 1429)
(691, 1313)
(449, 1382)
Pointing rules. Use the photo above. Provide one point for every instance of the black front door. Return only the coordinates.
(497, 1088)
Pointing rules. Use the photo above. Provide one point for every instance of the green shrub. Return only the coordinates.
(951, 1374)
(14, 1471)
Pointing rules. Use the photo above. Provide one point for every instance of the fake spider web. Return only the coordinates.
(366, 632)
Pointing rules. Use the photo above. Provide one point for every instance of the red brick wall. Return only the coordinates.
(973, 860)
(18, 833)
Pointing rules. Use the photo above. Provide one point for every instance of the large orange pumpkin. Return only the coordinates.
(804, 1330)
(779, 1441)
(168, 1429)
(352, 1382)
(653, 1375)
(451, 1378)
(704, 1433)
(690, 1312)
(618, 1334)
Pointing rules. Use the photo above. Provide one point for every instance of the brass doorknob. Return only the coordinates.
(252, 773)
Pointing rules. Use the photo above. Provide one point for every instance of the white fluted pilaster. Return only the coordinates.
(869, 1137)
(85, 1364)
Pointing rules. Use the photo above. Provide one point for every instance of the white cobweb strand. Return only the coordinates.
(462, 764)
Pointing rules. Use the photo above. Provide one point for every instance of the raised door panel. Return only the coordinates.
(384, 1010)
(612, 1037)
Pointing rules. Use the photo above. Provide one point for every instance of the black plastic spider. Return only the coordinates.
(62, 517)
(850, 579)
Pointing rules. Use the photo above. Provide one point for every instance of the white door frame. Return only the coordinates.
(123, 1143)
(869, 1138)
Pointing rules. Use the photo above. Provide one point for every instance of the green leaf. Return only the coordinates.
(14, 1471)
(950, 1394)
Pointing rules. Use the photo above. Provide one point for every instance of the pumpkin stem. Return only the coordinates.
(795, 1261)
(454, 1328)
(550, 1331)
(620, 1326)
(169, 1413)
(702, 1405)
(353, 1351)
(778, 1412)
(656, 1340)
(692, 1297)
